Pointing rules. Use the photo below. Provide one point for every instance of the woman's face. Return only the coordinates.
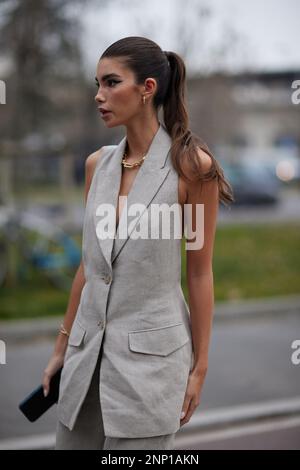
(118, 93)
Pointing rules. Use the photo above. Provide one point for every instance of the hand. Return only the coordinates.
(56, 361)
(192, 395)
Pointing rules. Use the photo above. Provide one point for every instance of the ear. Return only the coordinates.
(150, 87)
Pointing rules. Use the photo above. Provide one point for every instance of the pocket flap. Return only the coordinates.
(160, 341)
(77, 334)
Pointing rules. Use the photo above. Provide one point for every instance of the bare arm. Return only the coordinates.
(200, 284)
(79, 279)
(61, 343)
(200, 277)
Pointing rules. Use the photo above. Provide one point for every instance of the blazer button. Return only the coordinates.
(101, 324)
(107, 279)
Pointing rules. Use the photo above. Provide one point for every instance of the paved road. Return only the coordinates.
(250, 361)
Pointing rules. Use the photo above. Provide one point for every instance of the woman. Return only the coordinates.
(135, 355)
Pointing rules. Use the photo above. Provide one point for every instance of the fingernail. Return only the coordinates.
(182, 414)
(45, 393)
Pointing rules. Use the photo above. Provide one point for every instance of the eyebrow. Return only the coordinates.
(109, 75)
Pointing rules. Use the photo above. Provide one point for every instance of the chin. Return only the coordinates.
(112, 123)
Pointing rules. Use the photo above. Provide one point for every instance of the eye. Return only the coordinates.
(111, 80)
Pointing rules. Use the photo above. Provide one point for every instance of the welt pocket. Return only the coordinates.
(160, 341)
(77, 334)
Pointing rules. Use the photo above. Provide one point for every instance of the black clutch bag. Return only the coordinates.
(35, 404)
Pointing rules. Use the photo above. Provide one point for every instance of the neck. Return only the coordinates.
(139, 137)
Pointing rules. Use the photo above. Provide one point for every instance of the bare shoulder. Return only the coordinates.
(205, 162)
(93, 159)
(90, 165)
(204, 159)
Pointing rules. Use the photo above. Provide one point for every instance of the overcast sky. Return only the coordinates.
(238, 35)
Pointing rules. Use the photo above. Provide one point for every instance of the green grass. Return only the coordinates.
(45, 193)
(250, 261)
(255, 261)
(32, 302)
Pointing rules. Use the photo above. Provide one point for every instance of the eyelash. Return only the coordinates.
(109, 80)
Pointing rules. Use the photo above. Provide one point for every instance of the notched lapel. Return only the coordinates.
(146, 184)
(143, 192)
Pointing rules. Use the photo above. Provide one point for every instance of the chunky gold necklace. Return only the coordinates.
(131, 165)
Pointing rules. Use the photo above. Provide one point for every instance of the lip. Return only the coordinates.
(105, 115)
(104, 112)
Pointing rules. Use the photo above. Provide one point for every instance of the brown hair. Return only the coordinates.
(146, 59)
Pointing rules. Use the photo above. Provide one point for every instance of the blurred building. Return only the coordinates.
(246, 110)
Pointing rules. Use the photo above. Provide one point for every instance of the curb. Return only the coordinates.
(217, 420)
(258, 308)
(242, 414)
(26, 330)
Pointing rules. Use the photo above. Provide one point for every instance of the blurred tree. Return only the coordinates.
(40, 40)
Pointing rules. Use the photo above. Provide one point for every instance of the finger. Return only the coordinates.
(188, 414)
(46, 383)
(192, 406)
(185, 406)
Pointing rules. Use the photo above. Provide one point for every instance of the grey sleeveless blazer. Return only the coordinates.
(133, 305)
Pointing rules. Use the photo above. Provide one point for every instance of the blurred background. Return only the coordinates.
(243, 82)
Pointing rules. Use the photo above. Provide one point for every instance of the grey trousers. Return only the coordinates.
(88, 432)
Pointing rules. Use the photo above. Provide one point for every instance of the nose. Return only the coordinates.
(98, 97)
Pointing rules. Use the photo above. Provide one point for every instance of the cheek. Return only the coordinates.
(126, 97)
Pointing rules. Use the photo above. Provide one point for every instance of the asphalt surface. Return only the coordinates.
(249, 362)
